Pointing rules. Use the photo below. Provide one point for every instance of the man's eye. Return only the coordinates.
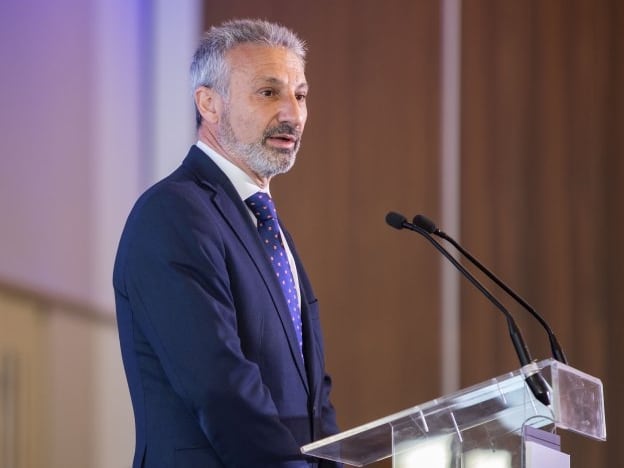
(301, 97)
(267, 92)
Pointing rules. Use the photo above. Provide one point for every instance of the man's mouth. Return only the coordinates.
(282, 140)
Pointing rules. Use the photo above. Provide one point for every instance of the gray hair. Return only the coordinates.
(209, 67)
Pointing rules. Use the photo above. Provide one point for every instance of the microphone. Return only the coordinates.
(534, 379)
(429, 226)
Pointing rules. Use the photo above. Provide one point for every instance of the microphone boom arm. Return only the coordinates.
(424, 223)
(534, 380)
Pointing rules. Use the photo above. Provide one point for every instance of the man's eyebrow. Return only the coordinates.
(271, 80)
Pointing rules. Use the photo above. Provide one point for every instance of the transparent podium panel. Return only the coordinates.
(475, 427)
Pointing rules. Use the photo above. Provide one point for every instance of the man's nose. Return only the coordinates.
(293, 110)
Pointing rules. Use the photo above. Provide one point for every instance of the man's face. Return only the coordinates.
(265, 112)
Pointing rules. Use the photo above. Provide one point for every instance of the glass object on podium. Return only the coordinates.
(476, 427)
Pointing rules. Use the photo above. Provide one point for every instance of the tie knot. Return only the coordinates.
(262, 206)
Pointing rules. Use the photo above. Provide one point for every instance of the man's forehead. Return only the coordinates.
(260, 63)
(263, 55)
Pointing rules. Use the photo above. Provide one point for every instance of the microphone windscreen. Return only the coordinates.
(395, 220)
(425, 223)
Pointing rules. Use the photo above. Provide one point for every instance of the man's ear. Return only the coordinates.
(208, 103)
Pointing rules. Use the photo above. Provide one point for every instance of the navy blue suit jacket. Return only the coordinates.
(209, 350)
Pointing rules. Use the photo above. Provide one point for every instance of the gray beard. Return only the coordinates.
(264, 161)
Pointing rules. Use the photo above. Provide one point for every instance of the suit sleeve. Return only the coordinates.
(176, 281)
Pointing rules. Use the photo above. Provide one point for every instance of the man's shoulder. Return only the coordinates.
(168, 214)
(171, 199)
(189, 183)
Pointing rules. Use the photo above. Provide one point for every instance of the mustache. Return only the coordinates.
(282, 129)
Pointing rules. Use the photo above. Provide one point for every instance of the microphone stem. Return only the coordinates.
(516, 337)
(556, 349)
(534, 380)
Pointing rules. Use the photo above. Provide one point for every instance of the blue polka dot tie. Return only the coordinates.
(262, 206)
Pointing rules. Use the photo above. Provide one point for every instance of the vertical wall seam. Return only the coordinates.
(450, 166)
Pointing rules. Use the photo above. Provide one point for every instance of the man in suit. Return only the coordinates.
(221, 341)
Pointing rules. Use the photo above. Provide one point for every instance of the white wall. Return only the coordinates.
(46, 120)
(94, 106)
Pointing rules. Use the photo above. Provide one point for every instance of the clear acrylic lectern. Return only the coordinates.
(483, 425)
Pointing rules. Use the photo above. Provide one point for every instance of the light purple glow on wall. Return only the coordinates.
(71, 96)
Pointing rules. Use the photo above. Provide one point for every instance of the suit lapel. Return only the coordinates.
(313, 362)
(234, 212)
(309, 348)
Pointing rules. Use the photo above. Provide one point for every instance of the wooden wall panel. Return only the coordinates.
(612, 226)
(542, 185)
(23, 441)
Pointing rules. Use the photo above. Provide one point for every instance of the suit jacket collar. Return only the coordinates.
(235, 213)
